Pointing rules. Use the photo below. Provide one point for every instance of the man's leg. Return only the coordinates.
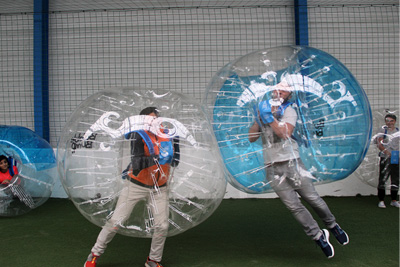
(394, 175)
(383, 176)
(286, 192)
(301, 214)
(310, 195)
(160, 210)
(128, 198)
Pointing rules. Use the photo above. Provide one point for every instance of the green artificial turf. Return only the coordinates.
(241, 233)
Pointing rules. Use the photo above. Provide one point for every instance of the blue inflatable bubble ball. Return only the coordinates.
(27, 170)
(332, 116)
(128, 155)
(385, 136)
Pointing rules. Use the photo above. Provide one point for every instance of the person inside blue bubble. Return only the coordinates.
(388, 145)
(146, 177)
(275, 122)
(11, 183)
(7, 170)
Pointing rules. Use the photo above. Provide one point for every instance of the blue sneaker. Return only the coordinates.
(323, 242)
(340, 235)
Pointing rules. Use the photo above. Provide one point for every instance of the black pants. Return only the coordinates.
(387, 170)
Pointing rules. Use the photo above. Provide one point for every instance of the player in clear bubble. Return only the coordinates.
(388, 161)
(146, 177)
(275, 123)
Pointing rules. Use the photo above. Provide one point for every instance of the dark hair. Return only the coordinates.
(3, 157)
(391, 116)
(148, 110)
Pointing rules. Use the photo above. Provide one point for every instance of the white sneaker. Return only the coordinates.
(381, 205)
(395, 204)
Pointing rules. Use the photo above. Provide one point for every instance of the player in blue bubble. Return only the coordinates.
(145, 178)
(7, 172)
(9, 180)
(275, 123)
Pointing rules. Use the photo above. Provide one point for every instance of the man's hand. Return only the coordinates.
(265, 112)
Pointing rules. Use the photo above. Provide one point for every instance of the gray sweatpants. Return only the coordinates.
(129, 197)
(290, 179)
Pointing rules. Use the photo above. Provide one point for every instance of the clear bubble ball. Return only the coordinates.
(333, 126)
(95, 152)
(31, 170)
(369, 170)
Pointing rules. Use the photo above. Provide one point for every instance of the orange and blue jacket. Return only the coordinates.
(151, 158)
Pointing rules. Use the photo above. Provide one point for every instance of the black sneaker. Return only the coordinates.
(340, 235)
(323, 242)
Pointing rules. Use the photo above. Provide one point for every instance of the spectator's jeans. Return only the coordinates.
(387, 170)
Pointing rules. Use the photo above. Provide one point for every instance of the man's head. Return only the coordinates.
(283, 90)
(391, 116)
(3, 163)
(149, 111)
(390, 120)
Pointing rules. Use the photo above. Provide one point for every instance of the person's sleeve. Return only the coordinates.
(290, 116)
(177, 155)
(138, 159)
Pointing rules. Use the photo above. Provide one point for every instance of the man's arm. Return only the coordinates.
(382, 148)
(282, 129)
(254, 132)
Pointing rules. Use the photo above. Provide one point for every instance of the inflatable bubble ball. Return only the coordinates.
(134, 157)
(331, 110)
(27, 170)
(385, 136)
